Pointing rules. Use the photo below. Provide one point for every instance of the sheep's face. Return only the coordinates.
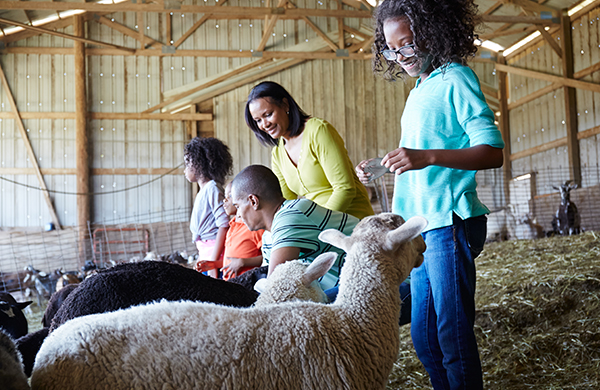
(386, 232)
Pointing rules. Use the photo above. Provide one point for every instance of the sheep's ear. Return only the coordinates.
(260, 285)
(23, 305)
(336, 238)
(408, 231)
(318, 267)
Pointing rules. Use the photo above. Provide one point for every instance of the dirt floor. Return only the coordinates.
(538, 317)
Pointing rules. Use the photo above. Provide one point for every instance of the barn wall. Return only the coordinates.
(542, 120)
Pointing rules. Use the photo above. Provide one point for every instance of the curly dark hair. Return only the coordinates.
(276, 94)
(208, 158)
(443, 28)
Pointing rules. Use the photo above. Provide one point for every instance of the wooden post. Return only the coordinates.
(81, 136)
(504, 126)
(570, 99)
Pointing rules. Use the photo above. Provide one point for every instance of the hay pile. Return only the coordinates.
(538, 317)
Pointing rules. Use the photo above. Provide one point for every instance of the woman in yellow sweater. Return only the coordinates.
(309, 157)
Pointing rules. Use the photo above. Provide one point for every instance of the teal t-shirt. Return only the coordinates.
(298, 224)
(446, 111)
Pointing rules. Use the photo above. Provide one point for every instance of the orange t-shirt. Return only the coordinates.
(242, 243)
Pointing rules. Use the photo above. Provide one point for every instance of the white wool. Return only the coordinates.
(349, 344)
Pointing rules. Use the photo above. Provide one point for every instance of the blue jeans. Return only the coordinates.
(443, 304)
(404, 297)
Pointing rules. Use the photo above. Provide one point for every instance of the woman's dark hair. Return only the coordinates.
(443, 28)
(276, 95)
(209, 158)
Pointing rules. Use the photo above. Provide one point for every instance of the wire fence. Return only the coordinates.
(527, 212)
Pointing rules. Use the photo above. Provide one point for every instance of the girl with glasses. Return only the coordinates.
(448, 133)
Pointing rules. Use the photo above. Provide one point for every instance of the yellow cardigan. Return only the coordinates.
(324, 173)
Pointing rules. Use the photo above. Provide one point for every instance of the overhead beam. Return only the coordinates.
(125, 30)
(551, 41)
(217, 80)
(32, 157)
(320, 33)
(198, 117)
(267, 33)
(518, 19)
(528, 5)
(235, 12)
(503, 33)
(196, 26)
(565, 81)
(68, 36)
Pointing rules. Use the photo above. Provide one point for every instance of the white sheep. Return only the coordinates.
(349, 344)
(12, 376)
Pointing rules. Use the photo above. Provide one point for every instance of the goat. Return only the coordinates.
(568, 221)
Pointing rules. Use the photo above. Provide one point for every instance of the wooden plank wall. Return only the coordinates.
(541, 122)
(363, 108)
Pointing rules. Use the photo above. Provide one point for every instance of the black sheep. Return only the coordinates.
(11, 370)
(132, 284)
(12, 319)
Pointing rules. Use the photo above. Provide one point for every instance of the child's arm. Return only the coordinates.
(474, 158)
(237, 263)
(215, 261)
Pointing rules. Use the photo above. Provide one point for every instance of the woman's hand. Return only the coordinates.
(207, 265)
(360, 171)
(402, 159)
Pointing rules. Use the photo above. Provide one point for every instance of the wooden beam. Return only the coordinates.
(493, 8)
(550, 41)
(320, 33)
(267, 33)
(587, 71)
(32, 157)
(225, 12)
(504, 126)
(570, 99)
(539, 149)
(517, 19)
(261, 75)
(68, 36)
(498, 33)
(217, 80)
(196, 26)
(82, 143)
(140, 27)
(341, 41)
(532, 96)
(199, 117)
(189, 53)
(125, 30)
(356, 32)
(169, 31)
(488, 89)
(566, 81)
(95, 171)
(528, 5)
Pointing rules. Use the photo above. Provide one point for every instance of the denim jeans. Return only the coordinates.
(443, 304)
(404, 297)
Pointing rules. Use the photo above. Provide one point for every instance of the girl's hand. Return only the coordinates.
(207, 265)
(360, 172)
(402, 159)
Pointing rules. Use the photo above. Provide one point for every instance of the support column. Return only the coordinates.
(570, 99)
(504, 126)
(81, 135)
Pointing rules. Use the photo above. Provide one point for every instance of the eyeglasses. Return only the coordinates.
(405, 51)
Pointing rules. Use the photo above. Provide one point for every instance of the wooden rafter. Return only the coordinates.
(217, 80)
(196, 26)
(217, 11)
(518, 19)
(496, 34)
(32, 157)
(320, 33)
(187, 53)
(356, 32)
(564, 81)
(267, 33)
(532, 96)
(551, 41)
(533, 6)
(125, 30)
(493, 8)
(111, 116)
(140, 27)
(68, 36)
